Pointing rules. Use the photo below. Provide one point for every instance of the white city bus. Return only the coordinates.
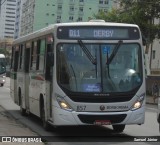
(81, 73)
(2, 69)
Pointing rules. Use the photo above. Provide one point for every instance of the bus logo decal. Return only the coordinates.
(102, 108)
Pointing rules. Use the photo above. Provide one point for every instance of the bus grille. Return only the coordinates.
(90, 119)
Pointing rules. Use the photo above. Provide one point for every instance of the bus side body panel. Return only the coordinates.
(13, 87)
(48, 100)
(36, 90)
(21, 88)
(158, 112)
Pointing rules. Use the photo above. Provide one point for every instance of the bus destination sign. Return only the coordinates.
(102, 33)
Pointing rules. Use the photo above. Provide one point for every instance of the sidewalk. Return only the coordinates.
(10, 127)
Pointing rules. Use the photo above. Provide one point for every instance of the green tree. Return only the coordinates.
(3, 51)
(140, 12)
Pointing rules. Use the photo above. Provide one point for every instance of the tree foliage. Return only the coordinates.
(3, 51)
(140, 12)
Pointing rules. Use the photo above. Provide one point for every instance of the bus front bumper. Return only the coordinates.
(63, 117)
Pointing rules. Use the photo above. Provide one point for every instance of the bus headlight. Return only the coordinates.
(138, 103)
(63, 104)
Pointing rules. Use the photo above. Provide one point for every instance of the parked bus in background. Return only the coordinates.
(81, 73)
(2, 69)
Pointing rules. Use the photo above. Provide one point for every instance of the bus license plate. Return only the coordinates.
(102, 122)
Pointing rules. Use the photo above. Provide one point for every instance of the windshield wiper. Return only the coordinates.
(114, 52)
(87, 52)
(74, 75)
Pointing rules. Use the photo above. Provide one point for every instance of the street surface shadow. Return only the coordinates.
(85, 133)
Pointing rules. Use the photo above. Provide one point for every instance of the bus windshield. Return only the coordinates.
(2, 65)
(77, 73)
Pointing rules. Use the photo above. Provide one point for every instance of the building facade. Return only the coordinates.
(18, 18)
(37, 14)
(7, 18)
(153, 56)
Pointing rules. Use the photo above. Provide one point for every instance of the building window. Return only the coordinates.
(106, 2)
(58, 17)
(81, 9)
(100, 1)
(59, 7)
(103, 2)
(71, 18)
(80, 19)
(71, 8)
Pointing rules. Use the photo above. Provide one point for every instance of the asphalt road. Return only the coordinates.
(90, 135)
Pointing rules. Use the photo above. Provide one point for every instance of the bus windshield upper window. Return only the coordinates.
(77, 73)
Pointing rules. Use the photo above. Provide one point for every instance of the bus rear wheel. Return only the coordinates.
(2, 85)
(118, 128)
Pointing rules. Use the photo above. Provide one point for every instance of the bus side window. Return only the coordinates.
(15, 59)
(41, 46)
(21, 56)
(38, 53)
(33, 56)
(49, 64)
(42, 54)
(11, 67)
(27, 57)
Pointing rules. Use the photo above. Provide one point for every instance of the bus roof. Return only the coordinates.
(95, 23)
(50, 28)
(2, 56)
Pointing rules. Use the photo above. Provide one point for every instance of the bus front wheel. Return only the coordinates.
(118, 128)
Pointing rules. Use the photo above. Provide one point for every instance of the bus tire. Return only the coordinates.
(45, 124)
(2, 85)
(22, 110)
(118, 128)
